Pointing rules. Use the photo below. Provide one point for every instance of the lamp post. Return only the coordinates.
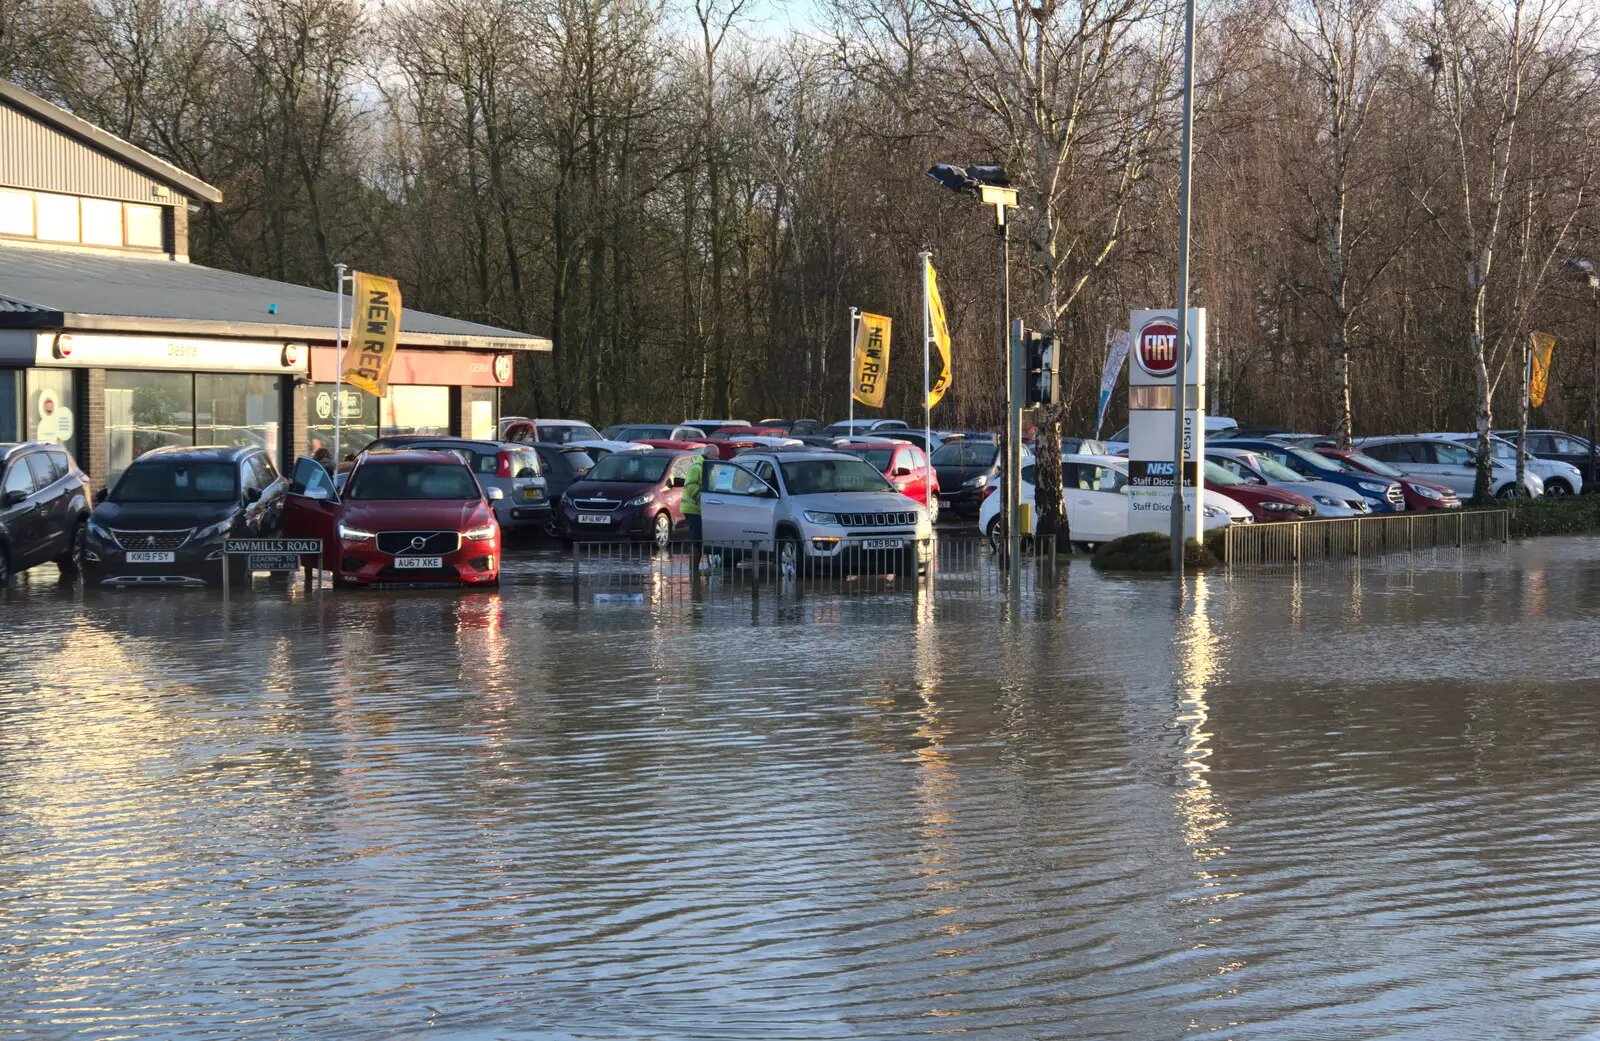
(1588, 272)
(993, 188)
(1182, 389)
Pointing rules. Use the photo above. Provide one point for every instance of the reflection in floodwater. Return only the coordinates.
(1337, 803)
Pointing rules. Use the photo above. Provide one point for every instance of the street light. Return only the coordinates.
(992, 187)
(1587, 271)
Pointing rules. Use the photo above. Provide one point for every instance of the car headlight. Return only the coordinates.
(99, 530)
(566, 500)
(976, 482)
(1572, 469)
(1427, 493)
(1282, 506)
(1216, 511)
(642, 500)
(821, 517)
(1327, 500)
(482, 534)
(350, 534)
(1373, 486)
(215, 531)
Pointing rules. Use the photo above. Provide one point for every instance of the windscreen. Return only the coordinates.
(401, 481)
(878, 457)
(560, 435)
(818, 476)
(1276, 471)
(966, 453)
(630, 468)
(1217, 475)
(1376, 466)
(1318, 461)
(178, 482)
(578, 459)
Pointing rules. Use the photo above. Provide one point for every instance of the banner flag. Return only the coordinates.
(1108, 378)
(374, 330)
(872, 360)
(939, 329)
(1544, 345)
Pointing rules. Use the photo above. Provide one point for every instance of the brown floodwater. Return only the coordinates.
(1347, 804)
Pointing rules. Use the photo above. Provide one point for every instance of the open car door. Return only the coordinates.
(311, 507)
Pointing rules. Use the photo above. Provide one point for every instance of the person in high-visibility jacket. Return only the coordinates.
(689, 506)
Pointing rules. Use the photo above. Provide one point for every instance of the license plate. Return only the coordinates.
(418, 562)
(533, 493)
(882, 543)
(594, 518)
(944, 504)
(149, 556)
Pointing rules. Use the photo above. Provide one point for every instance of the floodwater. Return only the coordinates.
(1348, 804)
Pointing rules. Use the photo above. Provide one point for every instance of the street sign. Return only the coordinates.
(238, 547)
(274, 562)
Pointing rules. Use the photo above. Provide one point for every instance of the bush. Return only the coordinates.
(1562, 515)
(1149, 551)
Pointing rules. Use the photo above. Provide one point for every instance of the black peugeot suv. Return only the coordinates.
(165, 520)
(44, 501)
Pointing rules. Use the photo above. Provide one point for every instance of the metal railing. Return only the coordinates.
(1288, 543)
(942, 568)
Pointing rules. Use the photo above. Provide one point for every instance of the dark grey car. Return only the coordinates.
(515, 468)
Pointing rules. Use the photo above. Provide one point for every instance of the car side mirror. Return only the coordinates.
(495, 495)
(678, 482)
(317, 494)
(252, 495)
(900, 471)
(102, 495)
(14, 497)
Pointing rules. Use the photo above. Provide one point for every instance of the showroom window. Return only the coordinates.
(359, 425)
(416, 410)
(478, 419)
(146, 410)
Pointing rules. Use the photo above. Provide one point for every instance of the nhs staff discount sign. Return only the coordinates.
(1152, 389)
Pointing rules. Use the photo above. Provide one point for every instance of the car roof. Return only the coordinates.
(560, 422)
(410, 455)
(214, 453)
(9, 447)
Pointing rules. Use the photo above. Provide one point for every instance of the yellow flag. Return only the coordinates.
(1544, 345)
(872, 359)
(374, 329)
(939, 327)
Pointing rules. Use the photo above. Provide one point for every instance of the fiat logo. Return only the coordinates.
(1157, 347)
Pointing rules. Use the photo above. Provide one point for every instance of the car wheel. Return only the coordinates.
(340, 583)
(992, 533)
(789, 555)
(933, 510)
(71, 562)
(1557, 488)
(663, 530)
(1507, 492)
(5, 567)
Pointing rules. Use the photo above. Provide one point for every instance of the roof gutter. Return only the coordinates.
(252, 330)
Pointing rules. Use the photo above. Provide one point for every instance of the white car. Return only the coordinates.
(599, 448)
(1096, 500)
(1559, 478)
(811, 507)
(1441, 459)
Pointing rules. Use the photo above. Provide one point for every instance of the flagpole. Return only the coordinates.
(338, 369)
(927, 392)
(850, 368)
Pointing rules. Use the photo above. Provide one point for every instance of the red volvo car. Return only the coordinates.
(412, 517)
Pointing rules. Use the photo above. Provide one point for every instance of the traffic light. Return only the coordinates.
(1043, 383)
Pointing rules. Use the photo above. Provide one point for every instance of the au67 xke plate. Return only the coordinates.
(883, 544)
(149, 556)
(418, 562)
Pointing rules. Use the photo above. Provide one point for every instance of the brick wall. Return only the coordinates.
(91, 388)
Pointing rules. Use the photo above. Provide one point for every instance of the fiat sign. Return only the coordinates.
(1157, 347)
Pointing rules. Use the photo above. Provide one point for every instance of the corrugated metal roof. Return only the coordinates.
(36, 155)
(95, 291)
(8, 305)
(110, 144)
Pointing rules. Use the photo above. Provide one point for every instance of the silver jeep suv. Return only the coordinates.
(810, 507)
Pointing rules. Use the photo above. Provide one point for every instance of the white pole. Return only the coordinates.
(1186, 169)
(850, 367)
(338, 369)
(927, 407)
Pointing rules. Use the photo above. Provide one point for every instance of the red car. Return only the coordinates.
(725, 433)
(1264, 502)
(681, 446)
(404, 516)
(1420, 494)
(904, 465)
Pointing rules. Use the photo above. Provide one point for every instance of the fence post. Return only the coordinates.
(575, 579)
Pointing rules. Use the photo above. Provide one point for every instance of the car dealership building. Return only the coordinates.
(112, 343)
